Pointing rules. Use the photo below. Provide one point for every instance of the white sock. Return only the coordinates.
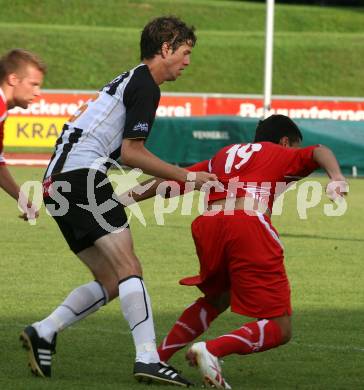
(81, 302)
(137, 310)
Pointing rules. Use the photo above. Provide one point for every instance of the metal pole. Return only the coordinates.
(268, 68)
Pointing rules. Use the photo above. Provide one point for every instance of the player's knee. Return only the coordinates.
(124, 263)
(128, 265)
(285, 326)
(118, 250)
(219, 302)
(112, 290)
(110, 284)
(286, 335)
(286, 330)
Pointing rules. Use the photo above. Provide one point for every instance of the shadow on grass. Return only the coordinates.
(326, 353)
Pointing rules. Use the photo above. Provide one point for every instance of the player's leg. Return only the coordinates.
(134, 298)
(40, 337)
(136, 308)
(285, 324)
(193, 322)
(257, 336)
(101, 270)
(80, 229)
(83, 300)
(213, 281)
(259, 288)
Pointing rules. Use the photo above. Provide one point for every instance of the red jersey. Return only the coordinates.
(3, 115)
(260, 170)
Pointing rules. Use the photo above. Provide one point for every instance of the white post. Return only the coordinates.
(355, 171)
(268, 68)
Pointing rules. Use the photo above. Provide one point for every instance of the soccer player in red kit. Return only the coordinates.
(21, 76)
(240, 253)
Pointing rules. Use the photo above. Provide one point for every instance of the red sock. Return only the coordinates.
(191, 324)
(252, 337)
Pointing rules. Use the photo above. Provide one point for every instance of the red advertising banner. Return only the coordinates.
(54, 105)
(181, 106)
(294, 108)
(65, 104)
(41, 123)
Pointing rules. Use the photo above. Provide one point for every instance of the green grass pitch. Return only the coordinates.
(317, 50)
(324, 257)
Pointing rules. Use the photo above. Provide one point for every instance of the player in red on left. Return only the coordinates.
(21, 76)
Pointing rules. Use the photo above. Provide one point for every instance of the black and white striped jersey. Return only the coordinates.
(124, 108)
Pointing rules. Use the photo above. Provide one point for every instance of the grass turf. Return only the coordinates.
(318, 50)
(324, 262)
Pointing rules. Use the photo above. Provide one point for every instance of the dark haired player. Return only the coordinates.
(115, 124)
(240, 253)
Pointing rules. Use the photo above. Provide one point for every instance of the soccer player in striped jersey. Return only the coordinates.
(114, 125)
(240, 253)
(21, 76)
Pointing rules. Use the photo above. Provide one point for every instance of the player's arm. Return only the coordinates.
(9, 185)
(141, 99)
(7, 182)
(150, 188)
(136, 155)
(306, 160)
(302, 162)
(145, 190)
(326, 159)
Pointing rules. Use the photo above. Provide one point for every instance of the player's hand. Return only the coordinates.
(29, 210)
(337, 188)
(126, 198)
(30, 214)
(204, 180)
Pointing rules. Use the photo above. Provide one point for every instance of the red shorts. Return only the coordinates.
(241, 253)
